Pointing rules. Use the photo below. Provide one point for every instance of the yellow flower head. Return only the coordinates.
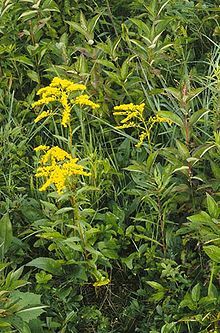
(134, 118)
(129, 107)
(84, 100)
(56, 166)
(42, 115)
(41, 147)
(59, 91)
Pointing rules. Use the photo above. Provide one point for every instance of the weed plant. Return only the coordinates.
(109, 167)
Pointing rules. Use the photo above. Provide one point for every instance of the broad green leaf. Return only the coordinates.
(196, 292)
(106, 63)
(129, 260)
(182, 150)
(171, 116)
(155, 285)
(174, 92)
(5, 232)
(168, 328)
(64, 210)
(47, 264)
(23, 60)
(213, 208)
(213, 252)
(33, 76)
(196, 116)
(142, 26)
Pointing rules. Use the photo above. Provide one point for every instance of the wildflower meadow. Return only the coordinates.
(110, 166)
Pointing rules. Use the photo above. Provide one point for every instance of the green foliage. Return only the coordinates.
(135, 247)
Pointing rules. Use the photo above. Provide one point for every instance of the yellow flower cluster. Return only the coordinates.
(59, 90)
(41, 147)
(134, 118)
(130, 112)
(56, 167)
(84, 100)
(42, 115)
(130, 107)
(158, 119)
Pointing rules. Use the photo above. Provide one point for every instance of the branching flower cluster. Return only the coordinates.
(134, 117)
(56, 165)
(60, 91)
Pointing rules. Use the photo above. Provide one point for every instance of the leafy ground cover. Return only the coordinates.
(109, 166)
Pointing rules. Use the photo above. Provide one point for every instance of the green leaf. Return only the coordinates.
(196, 292)
(92, 23)
(215, 169)
(129, 260)
(171, 116)
(106, 63)
(5, 232)
(213, 252)
(212, 206)
(142, 26)
(87, 34)
(23, 60)
(174, 92)
(64, 210)
(156, 285)
(31, 313)
(196, 116)
(193, 93)
(188, 302)
(168, 328)
(151, 159)
(47, 264)
(33, 76)
(182, 150)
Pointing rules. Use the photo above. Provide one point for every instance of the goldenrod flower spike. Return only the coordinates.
(56, 167)
(134, 118)
(59, 90)
(84, 100)
(41, 147)
(42, 115)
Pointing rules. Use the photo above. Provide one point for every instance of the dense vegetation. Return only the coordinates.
(127, 237)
